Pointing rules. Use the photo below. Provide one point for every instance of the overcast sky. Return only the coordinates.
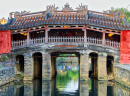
(7, 6)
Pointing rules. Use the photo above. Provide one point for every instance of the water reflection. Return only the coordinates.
(66, 84)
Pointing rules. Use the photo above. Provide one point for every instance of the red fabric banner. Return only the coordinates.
(5, 41)
(125, 47)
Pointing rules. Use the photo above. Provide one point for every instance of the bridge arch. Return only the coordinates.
(93, 65)
(55, 55)
(37, 65)
(19, 66)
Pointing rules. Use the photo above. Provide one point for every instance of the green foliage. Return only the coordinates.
(126, 11)
(18, 76)
(3, 58)
(65, 77)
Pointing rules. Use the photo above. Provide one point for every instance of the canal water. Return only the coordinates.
(66, 83)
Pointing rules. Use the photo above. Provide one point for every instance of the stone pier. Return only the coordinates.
(102, 70)
(84, 67)
(84, 88)
(46, 67)
(28, 67)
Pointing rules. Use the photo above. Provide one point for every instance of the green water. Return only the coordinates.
(65, 84)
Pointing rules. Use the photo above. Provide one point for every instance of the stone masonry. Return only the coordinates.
(102, 70)
(122, 74)
(46, 67)
(84, 67)
(6, 75)
(28, 67)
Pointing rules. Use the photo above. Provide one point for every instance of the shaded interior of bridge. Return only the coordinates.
(37, 63)
(65, 32)
(110, 61)
(93, 66)
(19, 66)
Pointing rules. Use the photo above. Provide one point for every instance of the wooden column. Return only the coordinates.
(103, 38)
(85, 33)
(46, 34)
(28, 37)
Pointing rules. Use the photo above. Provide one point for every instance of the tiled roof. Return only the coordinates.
(88, 19)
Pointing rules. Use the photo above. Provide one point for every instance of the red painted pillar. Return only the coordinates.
(28, 37)
(125, 47)
(5, 41)
(85, 34)
(46, 34)
(103, 38)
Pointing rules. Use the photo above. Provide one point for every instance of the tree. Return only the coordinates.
(126, 11)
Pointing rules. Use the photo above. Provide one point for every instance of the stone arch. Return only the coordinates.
(109, 65)
(93, 64)
(19, 66)
(37, 65)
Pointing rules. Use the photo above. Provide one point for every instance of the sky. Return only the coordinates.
(7, 6)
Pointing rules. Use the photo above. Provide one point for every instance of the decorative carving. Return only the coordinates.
(116, 14)
(51, 8)
(82, 8)
(67, 7)
(22, 13)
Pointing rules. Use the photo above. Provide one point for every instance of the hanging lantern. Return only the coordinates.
(110, 34)
(25, 34)
(65, 26)
(22, 33)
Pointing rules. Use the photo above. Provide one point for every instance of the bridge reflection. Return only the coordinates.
(48, 88)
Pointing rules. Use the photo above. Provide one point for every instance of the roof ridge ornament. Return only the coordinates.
(67, 7)
(82, 7)
(51, 8)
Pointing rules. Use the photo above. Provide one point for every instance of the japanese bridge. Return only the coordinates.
(37, 39)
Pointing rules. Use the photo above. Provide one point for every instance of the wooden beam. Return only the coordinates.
(19, 32)
(65, 28)
(64, 56)
(37, 29)
(113, 33)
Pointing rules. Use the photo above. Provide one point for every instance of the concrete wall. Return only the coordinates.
(6, 75)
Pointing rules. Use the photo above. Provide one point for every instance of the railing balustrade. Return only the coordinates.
(19, 43)
(36, 41)
(65, 39)
(112, 43)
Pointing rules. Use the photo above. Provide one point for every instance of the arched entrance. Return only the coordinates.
(110, 60)
(37, 61)
(93, 69)
(64, 61)
(19, 66)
